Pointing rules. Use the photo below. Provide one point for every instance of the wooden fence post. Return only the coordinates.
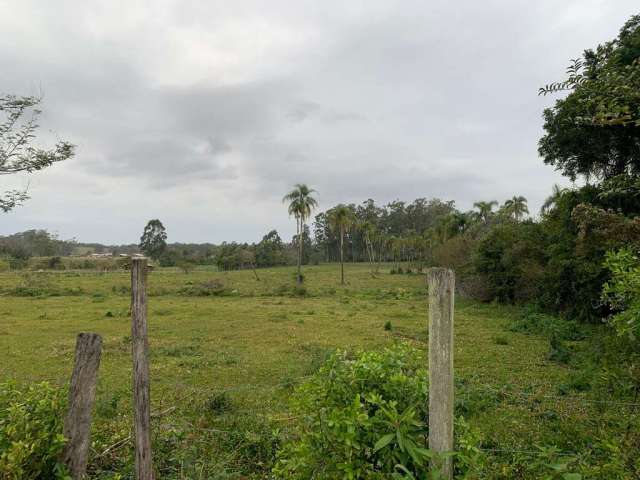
(140, 347)
(82, 394)
(441, 283)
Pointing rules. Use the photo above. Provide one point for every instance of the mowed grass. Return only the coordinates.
(259, 339)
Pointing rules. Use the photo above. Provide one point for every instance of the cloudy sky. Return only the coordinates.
(203, 114)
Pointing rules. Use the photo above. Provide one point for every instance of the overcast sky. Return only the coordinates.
(204, 114)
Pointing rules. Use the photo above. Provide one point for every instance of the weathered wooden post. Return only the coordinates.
(82, 394)
(141, 390)
(441, 283)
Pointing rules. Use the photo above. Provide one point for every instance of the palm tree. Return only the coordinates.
(341, 218)
(301, 204)
(368, 230)
(485, 209)
(551, 200)
(516, 207)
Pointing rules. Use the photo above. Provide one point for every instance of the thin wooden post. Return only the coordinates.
(141, 390)
(441, 283)
(82, 394)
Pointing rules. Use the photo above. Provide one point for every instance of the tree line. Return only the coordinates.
(558, 260)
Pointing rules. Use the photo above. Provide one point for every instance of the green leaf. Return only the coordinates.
(383, 441)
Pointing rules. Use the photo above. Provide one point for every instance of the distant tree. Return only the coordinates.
(595, 131)
(301, 204)
(511, 257)
(307, 244)
(341, 219)
(248, 258)
(551, 200)
(17, 154)
(368, 230)
(153, 241)
(485, 209)
(516, 207)
(186, 265)
(322, 234)
(39, 243)
(270, 251)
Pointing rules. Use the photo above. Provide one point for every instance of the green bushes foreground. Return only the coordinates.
(366, 417)
(360, 416)
(31, 439)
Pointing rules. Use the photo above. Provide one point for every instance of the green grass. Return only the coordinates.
(257, 339)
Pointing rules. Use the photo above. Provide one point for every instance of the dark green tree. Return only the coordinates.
(153, 241)
(595, 131)
(17, 153)
(270, 251)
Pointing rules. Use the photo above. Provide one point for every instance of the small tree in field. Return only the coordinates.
(248, 258)
(341, 218)
(301, 204)
(153, 241)
(17, 154)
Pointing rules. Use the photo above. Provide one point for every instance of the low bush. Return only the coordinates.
(535, 322)
(622, 291)
(31, 439)
(366, 417)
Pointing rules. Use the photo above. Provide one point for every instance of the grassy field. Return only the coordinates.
(227, 349)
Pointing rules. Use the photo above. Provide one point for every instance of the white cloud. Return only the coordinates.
(204, 113)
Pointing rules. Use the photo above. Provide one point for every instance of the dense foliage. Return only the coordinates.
(31, 437)
(622, 292)
(594, 131)
(365, 417)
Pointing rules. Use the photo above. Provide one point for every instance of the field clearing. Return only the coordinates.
(256, 340)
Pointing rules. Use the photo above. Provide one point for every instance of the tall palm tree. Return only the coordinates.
(516, 207)
(485, 209)
(368, 231)
(551, 200)
(340, 219)
(301, 204)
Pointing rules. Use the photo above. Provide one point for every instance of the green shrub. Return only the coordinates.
(31, 437)
(388, 326)
(534, 322)
(622, 291)
(364, 417)
(55, 263)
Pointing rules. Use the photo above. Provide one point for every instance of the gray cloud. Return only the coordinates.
(204, 113)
